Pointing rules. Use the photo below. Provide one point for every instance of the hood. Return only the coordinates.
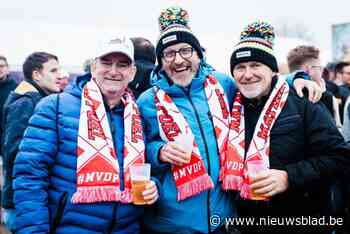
(76, 86)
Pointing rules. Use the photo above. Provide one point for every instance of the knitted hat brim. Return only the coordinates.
(249, 54)
(175, 37)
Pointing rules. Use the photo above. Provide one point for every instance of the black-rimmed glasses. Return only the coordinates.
(185, 53)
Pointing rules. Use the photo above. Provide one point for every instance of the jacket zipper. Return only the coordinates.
(59, 212)
(206, 151)
(111, 118)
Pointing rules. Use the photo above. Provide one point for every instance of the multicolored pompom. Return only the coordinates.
(173, 15)
(259, 29)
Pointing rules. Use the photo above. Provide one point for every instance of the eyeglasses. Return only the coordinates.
(185, 53)
(319, 68)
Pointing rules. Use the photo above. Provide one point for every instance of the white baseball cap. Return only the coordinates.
(116, 45)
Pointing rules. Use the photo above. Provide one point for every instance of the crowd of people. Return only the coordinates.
(252, 144)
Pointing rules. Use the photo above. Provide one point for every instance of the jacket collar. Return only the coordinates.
(29, 86)
(76, 87)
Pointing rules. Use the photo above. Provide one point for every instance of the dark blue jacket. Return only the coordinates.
(45, 172)
(18, 108)
(6, 87)
(141, 81)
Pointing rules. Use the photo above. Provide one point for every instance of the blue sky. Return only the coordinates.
(71, 28)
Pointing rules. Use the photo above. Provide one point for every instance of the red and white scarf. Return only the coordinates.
(192, 178)
(98, 172)
(235, 172)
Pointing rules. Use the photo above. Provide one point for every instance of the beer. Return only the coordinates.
(140, 175)
(137, 187)
(256, 168)
(257, 197)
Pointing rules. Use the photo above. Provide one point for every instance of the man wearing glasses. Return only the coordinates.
(306, 59)
(185, 116)
(72, 170)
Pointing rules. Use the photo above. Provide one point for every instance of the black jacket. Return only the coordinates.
(18, 108)
(343, 93)
(6, 87)
(305, 143)
(141, 81)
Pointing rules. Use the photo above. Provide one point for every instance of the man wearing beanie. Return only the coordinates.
(180, 112)
(288, 149)
(186, 118)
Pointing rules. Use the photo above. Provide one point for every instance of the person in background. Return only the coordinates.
(87, 65)
(342, 78)
(6, 84)
(342, 73)
(306, 58)
(329, 72)
(64, 79)
(41, 71)
(145, 58)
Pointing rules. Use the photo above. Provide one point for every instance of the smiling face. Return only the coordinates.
(184, 66)
(113, 73)
(253, 79)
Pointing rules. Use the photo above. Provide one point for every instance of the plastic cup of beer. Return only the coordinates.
(186, 144)
(256, 168)
(140, 175)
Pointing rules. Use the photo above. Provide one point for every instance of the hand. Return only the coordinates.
(270, 183)
(315, 92)
(174, 155)
(150, 195)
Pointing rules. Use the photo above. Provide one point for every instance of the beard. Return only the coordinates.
(183, 76)
(251, 93)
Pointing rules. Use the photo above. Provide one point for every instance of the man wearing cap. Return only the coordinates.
(186, 117)
(295, 143)
(72, 169)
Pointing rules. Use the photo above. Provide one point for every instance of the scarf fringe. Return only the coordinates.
(93, 194)
(194, 187)
(232, 182)
(245, 191)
